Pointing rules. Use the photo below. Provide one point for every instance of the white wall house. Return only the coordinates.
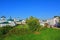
(3, 19)
(11, 23)
(4, 22)
(23, 22)
(20, 22)
(41, 22)
(53, 21)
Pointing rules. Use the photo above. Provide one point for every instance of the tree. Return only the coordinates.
(33, 23)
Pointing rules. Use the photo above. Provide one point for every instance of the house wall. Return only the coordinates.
(23, 22)
(53, 21)
(18, 22)
(10, 24)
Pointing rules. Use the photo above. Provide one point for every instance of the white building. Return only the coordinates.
(41, 22)
(3, 19)
(4, 22)
(53, 21)
(23, 22)
(20, 22)
(11, 23)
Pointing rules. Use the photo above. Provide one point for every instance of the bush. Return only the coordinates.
(1, 31)
(33, 23)
(19, 31)
(4, 30)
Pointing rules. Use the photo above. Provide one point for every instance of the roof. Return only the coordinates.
(4, 23)
(3, 17)
(19, 21)
(10, 20)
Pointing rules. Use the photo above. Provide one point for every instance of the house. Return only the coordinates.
(53, 21)
(23, 21)
(41, 22)
(3, 19)
(20, 22)
(11, 22)
(4, 22)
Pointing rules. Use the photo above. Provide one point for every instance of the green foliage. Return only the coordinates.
(33, 23)
(19, 31)
(4, 30)
(22, 26)
(1, 31)
(45, 34)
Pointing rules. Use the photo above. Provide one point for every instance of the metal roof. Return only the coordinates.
(4, 23)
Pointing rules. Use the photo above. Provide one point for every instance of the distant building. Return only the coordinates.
(3, 19)
(18, 22)
(53, 21)
(5, 22)
(23, 22)
(41, 22)
(11, 22)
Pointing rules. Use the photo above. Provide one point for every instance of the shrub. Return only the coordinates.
(5, 29)
(33, 23)
(1, 31)
(19, 31)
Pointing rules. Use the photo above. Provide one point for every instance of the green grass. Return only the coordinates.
(45, 34)
(22, 26)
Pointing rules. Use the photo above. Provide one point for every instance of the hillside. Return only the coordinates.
(25, 34)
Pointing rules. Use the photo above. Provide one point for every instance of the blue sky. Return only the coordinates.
(42, 9)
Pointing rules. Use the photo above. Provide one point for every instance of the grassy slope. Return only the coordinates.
(45, 34)
(22, 26)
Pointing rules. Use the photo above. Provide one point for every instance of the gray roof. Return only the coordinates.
(19, 21)
(3, 17)
(10, 20)
(4, 23)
